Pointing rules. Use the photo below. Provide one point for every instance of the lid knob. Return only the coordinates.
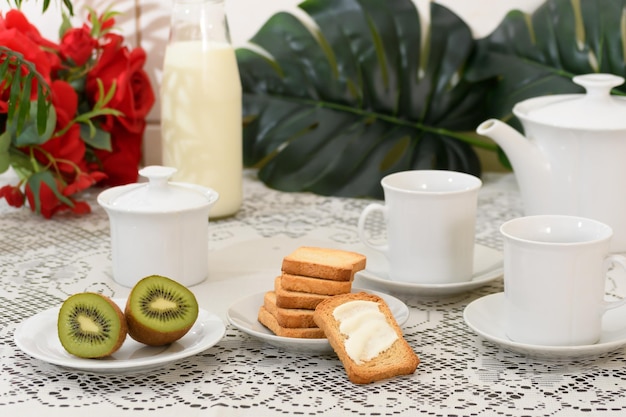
(157, 175)
(596, 110)
(598, 86)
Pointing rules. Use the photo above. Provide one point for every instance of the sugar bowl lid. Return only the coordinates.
(158, 194)
(595, 110)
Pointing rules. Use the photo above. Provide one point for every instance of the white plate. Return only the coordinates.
(485, 316)
(243, 315)
(488, 266)
(37, 336)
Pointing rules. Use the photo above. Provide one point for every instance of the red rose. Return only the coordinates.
(133, 94)
(83, 181)
(13, 195)
(68, 149)
(134, 97)
(50, 203)
(77, 45)
(122, 164)
(16, 19)
(66, 164)
(21, 37)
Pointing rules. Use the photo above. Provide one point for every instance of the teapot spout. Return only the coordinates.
(529, 164)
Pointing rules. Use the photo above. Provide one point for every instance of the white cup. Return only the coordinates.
(430, 220)
(555, 270)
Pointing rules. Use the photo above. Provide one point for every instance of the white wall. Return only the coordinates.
(146, 22)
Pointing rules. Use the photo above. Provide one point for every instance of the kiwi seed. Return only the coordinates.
(160, 311)
(91, 325)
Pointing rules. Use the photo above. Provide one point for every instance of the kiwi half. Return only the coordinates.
(91, 325)
(160, 311)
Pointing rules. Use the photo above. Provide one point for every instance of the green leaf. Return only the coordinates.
(4, 68)
(24, 102)
(46, 5)
(30, 134)
(69, 7)
(5, 143)
(538, 54)
(14, 96)
(99, 140)
(43, 112)
(35, 182)
(66, 24)
(19, 87)
(334, 109)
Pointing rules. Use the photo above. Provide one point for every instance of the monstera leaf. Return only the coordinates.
(538, 54)
(335, 101)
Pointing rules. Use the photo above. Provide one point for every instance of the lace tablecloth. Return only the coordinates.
(44, 261)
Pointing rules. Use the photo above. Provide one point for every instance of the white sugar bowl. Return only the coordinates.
(159, 228)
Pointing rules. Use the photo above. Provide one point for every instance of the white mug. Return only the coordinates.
(430, 220)
(555, 270)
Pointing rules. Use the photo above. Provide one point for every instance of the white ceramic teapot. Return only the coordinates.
(159, 228)
(573, 158)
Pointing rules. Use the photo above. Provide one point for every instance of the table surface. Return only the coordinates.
(42, 262)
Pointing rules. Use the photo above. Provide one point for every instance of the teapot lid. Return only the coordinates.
(159, 195)
(595, 110)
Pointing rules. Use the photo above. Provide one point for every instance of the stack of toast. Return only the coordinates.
(309, 276)
(309, 300)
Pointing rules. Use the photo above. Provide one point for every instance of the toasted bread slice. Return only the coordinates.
(296, 299)
(268, 320)
(396, 359)
(333, 264)
(311, 285)
(288, 317)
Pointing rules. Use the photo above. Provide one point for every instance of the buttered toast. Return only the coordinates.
(366, 337)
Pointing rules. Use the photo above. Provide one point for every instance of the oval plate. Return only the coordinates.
(37, 336)
(243, 315)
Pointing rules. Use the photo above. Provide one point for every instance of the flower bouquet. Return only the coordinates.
(72, 114)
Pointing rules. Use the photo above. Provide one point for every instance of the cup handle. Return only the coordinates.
(617, 260)
(361, 226)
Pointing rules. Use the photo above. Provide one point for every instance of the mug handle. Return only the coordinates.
(617, 260)
(384, 248)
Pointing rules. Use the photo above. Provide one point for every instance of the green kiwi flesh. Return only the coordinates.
(91, 325)
(160, 311)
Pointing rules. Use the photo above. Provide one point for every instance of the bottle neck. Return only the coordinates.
(199, 20)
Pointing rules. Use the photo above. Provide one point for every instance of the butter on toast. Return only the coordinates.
(397, 358)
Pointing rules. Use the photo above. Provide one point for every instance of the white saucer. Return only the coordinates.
(37, 336)
(488, 266)
(485, 316)
(243, 315)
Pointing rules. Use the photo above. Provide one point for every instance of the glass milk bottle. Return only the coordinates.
(201, 119)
